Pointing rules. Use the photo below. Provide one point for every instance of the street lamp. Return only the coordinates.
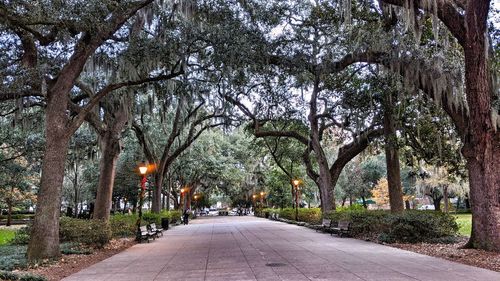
(196, 202)
(183, 198)
(296, 183)
(262, 198)
(143, 169)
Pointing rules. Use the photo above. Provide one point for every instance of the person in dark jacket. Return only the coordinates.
(185, 216)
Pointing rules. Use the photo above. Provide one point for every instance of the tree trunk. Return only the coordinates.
(110, 150)
(9, 207)
(436, 201)
(44, 241)
(392, 158)
(157, 191)
(364, 202)
(484, 181)
(445, 197)
(467, 202)
(326, 192)
(75, 187)
(407, 204)
(482, 143)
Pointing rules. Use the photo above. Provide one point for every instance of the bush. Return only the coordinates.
(6, 275)
(310, 215)
(174, 215)
(287, 213)
(148, 218)
(90, 232)
(418, 226)
(363, 222)
(123, 225)
(409, 226)
(353, 207)
(22, 236)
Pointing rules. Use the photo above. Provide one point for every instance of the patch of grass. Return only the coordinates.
(464, 222)
(6, 235)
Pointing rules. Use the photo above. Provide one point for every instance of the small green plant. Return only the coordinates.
(12, 257)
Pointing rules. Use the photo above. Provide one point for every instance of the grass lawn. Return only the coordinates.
(6, 235)
(465, 223)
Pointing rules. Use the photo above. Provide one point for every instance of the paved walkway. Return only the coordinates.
(248, 248)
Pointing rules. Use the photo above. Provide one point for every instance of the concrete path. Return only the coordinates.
(248, 248)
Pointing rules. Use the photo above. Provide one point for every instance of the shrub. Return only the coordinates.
(287, 213)
(310, 215)
(6, 275)
(148, 218)
(22, 236)
(90, 232)
(123, 225)
(174, 216)
(18, 217)
(353, 207)
(418, 226)
(409, 226)
(363, 222)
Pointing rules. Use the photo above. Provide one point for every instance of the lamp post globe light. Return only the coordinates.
(143, 170)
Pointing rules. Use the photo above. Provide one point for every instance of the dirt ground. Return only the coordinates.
(452, 252)
(70, 264)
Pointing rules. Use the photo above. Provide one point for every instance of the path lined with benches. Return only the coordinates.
(249, 248)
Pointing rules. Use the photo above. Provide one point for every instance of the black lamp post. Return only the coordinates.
(143, 169)
(296, 183)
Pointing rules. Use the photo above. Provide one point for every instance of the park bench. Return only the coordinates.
(145, 234)
(343, 228)
(326, 224)
(154, 230)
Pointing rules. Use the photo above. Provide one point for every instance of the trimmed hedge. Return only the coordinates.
(410, 226)
(123, 225)
(308, 215)
(415, 226)
(90, 232)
